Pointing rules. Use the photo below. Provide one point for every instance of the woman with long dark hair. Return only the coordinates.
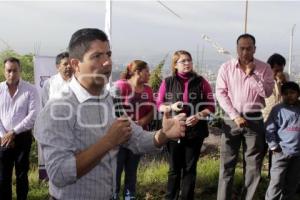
(137, 101)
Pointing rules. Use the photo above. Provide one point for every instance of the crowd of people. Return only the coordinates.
(87, 135)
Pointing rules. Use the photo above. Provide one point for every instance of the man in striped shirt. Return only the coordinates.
(80, 135)
(19, 104)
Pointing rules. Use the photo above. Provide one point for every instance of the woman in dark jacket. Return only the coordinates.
(185, 91)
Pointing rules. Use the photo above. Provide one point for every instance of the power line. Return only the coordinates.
(169, 9)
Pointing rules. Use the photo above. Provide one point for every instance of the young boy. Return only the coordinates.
(283, 138)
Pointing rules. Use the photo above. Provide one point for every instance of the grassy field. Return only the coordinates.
(152, 178)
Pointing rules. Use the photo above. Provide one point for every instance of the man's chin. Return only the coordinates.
(11, 82)
(100, 82)
(107, 75)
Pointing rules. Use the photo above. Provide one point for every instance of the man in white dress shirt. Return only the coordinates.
(56, 82)
(52, 89)
(19, 105)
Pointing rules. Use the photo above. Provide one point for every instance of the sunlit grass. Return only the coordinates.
(152, 179)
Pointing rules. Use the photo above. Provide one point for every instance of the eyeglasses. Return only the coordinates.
(185, 61)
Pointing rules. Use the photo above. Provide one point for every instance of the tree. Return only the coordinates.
(156, 76)
(26, 64)
(155, 81)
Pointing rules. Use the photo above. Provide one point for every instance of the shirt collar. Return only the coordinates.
(60, 78)
(82, 94)
(18, 86)
(237, 64)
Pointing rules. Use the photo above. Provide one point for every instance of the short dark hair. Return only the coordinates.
(81, 40)
(61, 56)
(12, 59)
(276, 59)
(290, 85)
(246, 35)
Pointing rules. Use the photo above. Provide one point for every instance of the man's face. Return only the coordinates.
(277, 69)
(280, 77)
(290, 97)
(245, 50)
(65, 69)
(12, 72)
(95, 68)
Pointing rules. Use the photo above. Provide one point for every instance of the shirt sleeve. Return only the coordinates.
(2, 129)
(55, 136)
(222, 94)
(33, 107)
(263, 83)
(141, 141)
(45, 93)
(208, 96)
(161, 94)
(272, 130)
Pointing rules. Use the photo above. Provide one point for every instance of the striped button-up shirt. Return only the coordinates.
(19, 112)
(240, 93)
(72, 124)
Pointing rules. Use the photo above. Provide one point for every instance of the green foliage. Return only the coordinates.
(156, 76)
(38, 190)
(33, 157)
(218, 118)
(152, 179)
(26, 64)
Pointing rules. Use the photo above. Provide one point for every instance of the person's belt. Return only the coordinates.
(251, 114)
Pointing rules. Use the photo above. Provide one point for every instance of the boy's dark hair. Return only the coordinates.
(290, 85)
(276, 59)
(12, 59)
(81, 40)
(61, 56)
(246, 35)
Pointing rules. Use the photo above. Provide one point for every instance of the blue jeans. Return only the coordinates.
(285, 177)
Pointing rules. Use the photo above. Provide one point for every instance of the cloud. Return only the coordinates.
(145, 28)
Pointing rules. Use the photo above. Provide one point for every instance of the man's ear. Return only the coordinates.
(75, 64)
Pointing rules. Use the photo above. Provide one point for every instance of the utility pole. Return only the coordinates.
(202, 58)
(246, 17)
(291, 49)
(108, 14)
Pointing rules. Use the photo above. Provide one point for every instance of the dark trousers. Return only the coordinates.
(285, 177)
(183, 159)
(252, 138)
(17, 156)
(128, 162)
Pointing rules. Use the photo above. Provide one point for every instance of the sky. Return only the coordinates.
(146, 30)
